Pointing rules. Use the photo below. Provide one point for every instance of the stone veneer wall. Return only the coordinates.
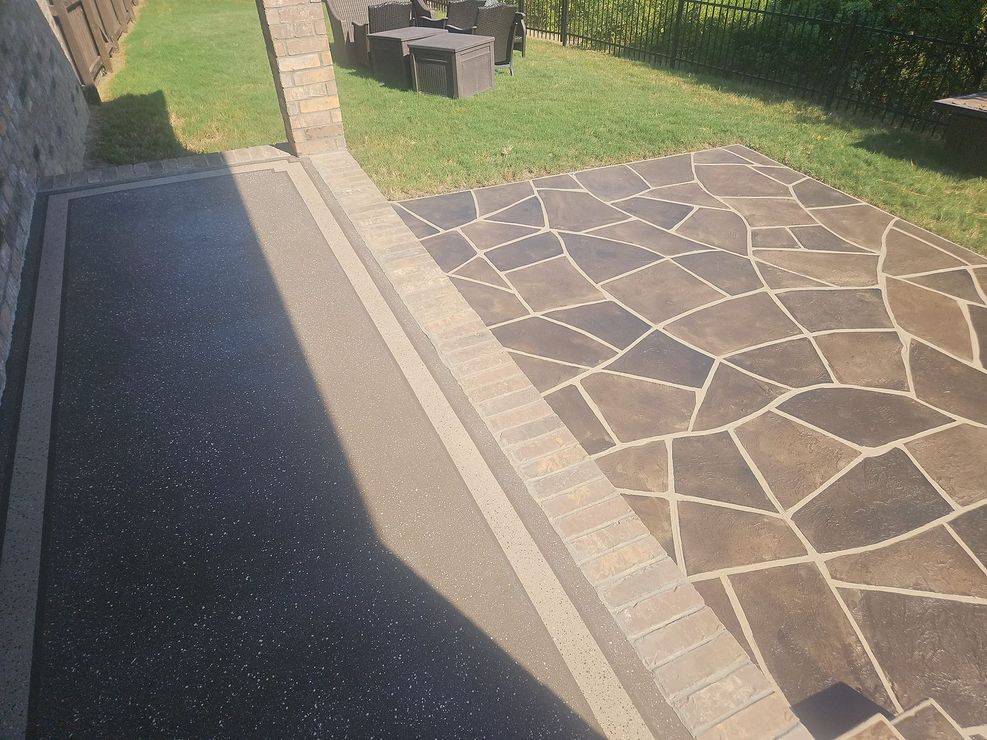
(43, 119)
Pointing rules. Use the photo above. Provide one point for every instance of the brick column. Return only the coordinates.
(298, 49)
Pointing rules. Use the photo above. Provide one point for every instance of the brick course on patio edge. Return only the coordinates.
(699, 668)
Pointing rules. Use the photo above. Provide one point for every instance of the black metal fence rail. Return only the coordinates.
(839, 62)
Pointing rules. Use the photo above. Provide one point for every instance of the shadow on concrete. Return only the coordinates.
(830, 712)
(214, 561)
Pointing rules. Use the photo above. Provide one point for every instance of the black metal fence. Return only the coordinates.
(840, 62)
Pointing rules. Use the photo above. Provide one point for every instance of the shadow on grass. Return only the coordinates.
(131, 129)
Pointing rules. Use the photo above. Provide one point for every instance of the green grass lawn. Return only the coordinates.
(565, 109)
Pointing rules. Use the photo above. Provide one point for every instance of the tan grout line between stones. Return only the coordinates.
(965, 547)
(910, 592)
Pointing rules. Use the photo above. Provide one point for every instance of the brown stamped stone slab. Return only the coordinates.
(660, 213)
(612, 183)
(732, 395)
(822, 310)
(862, 224)
(868, 418)
(545, 374)
(662, 291)
(956, 459)
(655, 513)
(721, 229)
(525, 251)
(607, 321)
(773, 238)
(418, 227)
(813, 194)
(867, 358)
(640, 468)
(948, 384)
(972, 529)
(926, 722)
(487, 234)
(841, 270)
(796, 622)
(719, 156)
(715, 537)
(603, 259)
(928, 647)
(728, 272)
(957, 283)
(762, 212)
(931, 316)
(964, 254)
(734, 325)
(907, 255)
(577, 211)
(715, 595)
(553, 284)
(879, 498)
(928, 561)
(493, 305)
(711, 467)
(651, 237)
(794, 363)
(781, 174)
(538, 336)
(557, 182)
(665, 171)
(822, 239)
(690, 193)
(739, 182)
(479, 269)
(444, 211)
(637, 409)
(449, 250)
(526, 213)
(777, 279)
(570, 406)
(499, 197)
(660, 357)
(794, 460)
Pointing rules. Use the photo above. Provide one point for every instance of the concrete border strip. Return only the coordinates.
(20, 563)
(697, 665)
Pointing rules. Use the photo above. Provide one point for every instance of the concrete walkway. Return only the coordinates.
(788, 387)
(245, 503)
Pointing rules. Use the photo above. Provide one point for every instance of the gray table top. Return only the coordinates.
(410, 33)
(451, 41)
(974, 104)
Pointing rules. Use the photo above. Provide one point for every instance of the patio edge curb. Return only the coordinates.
(697, 665)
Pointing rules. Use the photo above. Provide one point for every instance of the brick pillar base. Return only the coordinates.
(298, 49)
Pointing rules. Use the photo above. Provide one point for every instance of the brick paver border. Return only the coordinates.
(697, 665)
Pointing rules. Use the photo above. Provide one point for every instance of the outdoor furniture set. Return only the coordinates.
(405, 46)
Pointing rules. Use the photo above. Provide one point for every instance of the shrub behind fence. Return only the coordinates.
(841, 62)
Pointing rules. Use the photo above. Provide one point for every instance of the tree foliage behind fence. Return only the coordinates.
(837, 57)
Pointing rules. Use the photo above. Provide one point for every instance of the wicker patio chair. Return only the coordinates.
(343, 14)
(382, 17)
(422, 16)
(502, 22)
(462, 15)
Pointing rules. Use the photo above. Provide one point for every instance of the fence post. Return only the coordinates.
(677, 33)
(564, 29)
(844, 58)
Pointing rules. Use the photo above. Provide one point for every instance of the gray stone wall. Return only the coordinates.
(43, 119)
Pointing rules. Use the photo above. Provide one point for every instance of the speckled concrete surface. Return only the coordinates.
(222, 526)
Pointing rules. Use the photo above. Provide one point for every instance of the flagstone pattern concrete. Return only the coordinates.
(785, 384)
(701, 670)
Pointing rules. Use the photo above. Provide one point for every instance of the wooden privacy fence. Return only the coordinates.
(92, 31)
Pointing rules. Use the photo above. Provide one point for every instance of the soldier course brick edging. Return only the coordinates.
(697, 665)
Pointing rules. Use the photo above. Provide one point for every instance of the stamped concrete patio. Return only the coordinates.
(786, 384)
